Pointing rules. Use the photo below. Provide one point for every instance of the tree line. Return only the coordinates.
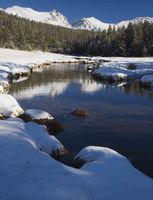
(19, 33)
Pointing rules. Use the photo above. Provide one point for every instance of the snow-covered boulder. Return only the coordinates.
(120, 71)
(38, 114)
(33, 133)
(43, 118)
(9, 107)
(93, 153)
(147, 81)
(47, 143)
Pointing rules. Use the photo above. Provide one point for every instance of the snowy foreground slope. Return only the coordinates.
(29, 173)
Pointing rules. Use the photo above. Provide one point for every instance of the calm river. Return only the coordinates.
(120, 117)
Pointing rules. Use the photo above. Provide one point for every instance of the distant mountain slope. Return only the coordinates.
(90, 23)
(135, 21)
(56, 18)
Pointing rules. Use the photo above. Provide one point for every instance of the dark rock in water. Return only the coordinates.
(25, 117)
(53, 126)
(78, 162)
(132, 66)
(80, 113)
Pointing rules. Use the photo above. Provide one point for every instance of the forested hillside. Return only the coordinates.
(135, 40)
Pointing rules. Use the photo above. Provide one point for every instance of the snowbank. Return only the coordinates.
(119, 71)
(32, 58)
(16, 63)
(28, 173)
(9, 107)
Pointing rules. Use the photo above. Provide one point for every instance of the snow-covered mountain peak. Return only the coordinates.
(90, 23)
(135, 21)
(55, 12)
(54, 17)
(59, 18)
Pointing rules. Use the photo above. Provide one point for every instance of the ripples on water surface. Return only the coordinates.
(120, 117)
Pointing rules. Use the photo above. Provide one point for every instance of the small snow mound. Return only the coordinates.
(93, 153)
(47, 143)
(38, 114)
(9, 107)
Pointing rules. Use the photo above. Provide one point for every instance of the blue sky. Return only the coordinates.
(105, 10)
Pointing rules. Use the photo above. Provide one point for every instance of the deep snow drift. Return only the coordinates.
(28, 173)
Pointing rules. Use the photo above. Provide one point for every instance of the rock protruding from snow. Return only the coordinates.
(9, 107)
(54, 17)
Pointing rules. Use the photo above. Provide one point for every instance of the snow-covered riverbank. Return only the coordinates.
(28, 172)
(27, 169)
(16, 63)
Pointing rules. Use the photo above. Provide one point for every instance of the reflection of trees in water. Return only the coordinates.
(57, 77)
(136, 89)
(132, 87)
(57, 73)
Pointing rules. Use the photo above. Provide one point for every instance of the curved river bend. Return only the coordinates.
(120, 117)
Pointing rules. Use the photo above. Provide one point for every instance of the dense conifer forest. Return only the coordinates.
(19, 33)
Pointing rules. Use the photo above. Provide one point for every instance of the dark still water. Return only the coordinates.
(120, 117)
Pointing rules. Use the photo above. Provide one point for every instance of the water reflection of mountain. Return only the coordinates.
(55, 79)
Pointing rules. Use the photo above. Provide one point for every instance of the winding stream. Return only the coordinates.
(120, 117)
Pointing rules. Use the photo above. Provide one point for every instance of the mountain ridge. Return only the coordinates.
(56, 18)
